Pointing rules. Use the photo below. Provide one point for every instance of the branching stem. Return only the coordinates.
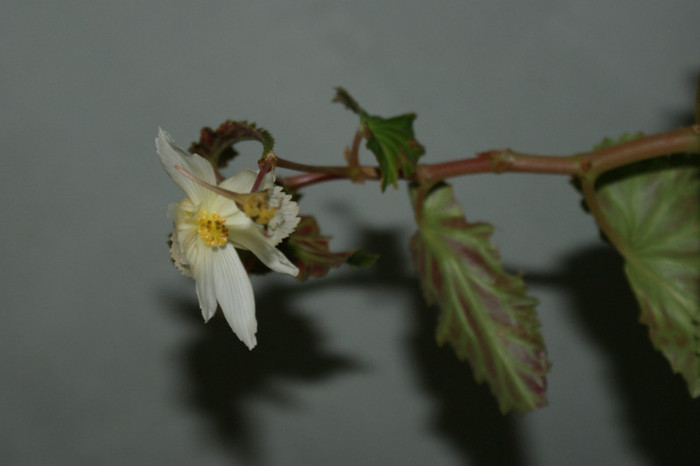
(584, 165)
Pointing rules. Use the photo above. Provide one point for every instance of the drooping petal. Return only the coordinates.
(235, 295)
(252, 239)
(205, 278)
(171, 156)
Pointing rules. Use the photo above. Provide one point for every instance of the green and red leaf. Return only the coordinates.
(394, 145)
(391, 140)
(485, 313)
(652, 211)
(308, 249)
(217, 145)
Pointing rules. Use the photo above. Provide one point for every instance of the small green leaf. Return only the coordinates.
(653, 208)
(362, 259)
(485, 313)
(393, 143)
(217, 145)
(342, 96)
(391, 140)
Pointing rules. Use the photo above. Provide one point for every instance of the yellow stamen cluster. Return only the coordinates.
(257, 207)
(212, 229)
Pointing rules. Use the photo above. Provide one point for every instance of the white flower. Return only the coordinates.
(215, 219)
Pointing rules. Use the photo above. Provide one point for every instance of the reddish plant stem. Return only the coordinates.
(588, 165)
(316, 174)
(352, 157)
(589, 193)
(266, 165)
(671, 142)
(293, 183)
(339, 172)
(498, 161)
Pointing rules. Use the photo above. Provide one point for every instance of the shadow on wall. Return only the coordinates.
(663, 420)
(221, 375)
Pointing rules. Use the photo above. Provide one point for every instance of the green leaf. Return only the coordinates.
(394, 145)
(362, 259)
(485, 313)
(342, 96)
(391, 140)
(308, 249)
(217, 145)
(653, 208)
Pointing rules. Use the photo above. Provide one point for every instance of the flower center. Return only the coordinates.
(257, 208)
(212, 229)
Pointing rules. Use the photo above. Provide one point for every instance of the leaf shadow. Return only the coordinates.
(663, 420)
(686, 116)
(222, 377)
(466, 415)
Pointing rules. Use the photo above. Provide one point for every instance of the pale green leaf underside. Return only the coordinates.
(656, 216)
(485, 315)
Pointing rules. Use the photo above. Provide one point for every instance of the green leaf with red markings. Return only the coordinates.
(485, 313)
(393, 143)
(391, 140)
(652, 209)
(308, 249)
(217, 145)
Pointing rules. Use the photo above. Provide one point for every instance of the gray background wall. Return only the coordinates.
(103, 355)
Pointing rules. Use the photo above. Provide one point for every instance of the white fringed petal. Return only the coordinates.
(286, 218)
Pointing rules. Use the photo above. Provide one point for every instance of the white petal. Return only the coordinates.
(235, 294)
(243, 181)
(267, 182)
(286, 218)
(252, 239)
(177, 256)
(171, 155)
(172, 211)
(205, 276)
